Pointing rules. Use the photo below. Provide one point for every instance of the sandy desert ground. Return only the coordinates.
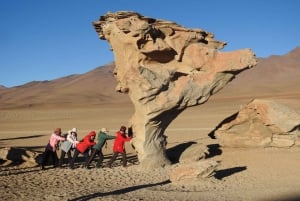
(243, 174)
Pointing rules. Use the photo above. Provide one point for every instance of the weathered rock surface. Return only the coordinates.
(194, 153)
(165, 68)
(261, 123)
(193, 171)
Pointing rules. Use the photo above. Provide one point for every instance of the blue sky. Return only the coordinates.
(48, 39)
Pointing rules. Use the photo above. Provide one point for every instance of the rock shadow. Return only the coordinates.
(226, 120)
(213, 150)
(22, 138)
(119, 192)
(17, 154)
(292, 197)
(220, 174)
(175, 152)
(2, 140)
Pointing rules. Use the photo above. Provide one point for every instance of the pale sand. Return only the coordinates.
(244, 174)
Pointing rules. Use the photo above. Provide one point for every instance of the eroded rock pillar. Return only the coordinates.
(165, 68)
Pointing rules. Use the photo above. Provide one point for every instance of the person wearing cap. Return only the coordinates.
(68, 145)
(83, 148)
(50, 150)
(119, 146)
(97, 148)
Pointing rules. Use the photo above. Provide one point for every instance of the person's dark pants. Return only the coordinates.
(76, 153)
(114, 157)
(93, 155)
(62, 157)
(47, 154)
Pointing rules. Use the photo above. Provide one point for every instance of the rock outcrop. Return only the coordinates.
(261, 123)
(165, 68)
(16, 156)
(195, 171)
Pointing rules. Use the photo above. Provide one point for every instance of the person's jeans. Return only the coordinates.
(76, 153)
(93, 155)
(62, 157)
(114, 157)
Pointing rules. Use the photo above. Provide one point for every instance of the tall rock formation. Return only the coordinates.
(165, 68)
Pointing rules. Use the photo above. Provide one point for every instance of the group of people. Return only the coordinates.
(89, 147)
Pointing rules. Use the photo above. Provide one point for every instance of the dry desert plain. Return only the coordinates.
(254, 174)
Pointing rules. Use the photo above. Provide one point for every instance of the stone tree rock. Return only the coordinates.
(165, 68)
(261, 123)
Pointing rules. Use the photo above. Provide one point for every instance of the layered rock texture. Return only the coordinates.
(165, 68)
(261, 123)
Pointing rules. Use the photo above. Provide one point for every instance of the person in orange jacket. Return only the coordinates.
(83, 148)
(119, 147)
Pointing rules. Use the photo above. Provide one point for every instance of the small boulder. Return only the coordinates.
(261, 123)
(193, 171)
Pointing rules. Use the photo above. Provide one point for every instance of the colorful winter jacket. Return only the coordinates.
(70, 142)
(54, 140)
(102, 137)
(120, 142)
(83, 145)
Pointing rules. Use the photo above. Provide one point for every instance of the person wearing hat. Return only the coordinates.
(50, 150)
(97, 148)
(68, 145)
(119, 147)
(83, 148)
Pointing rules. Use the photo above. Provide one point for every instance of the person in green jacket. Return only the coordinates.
(97, 148)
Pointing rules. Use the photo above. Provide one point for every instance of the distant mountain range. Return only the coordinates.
(275, 75)
(272, 76)
(94, 87)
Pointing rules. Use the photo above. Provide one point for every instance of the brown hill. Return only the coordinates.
(94, 87)
(273, 76)
(2, 87)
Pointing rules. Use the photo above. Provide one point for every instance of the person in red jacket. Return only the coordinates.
(119, 147)
(83, 147)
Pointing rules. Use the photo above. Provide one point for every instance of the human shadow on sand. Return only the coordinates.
(131, 160)
(120, 191)
(220, 174)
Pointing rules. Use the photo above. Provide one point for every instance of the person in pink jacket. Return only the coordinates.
(83, 147)
(119, 147)
(50, 150)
